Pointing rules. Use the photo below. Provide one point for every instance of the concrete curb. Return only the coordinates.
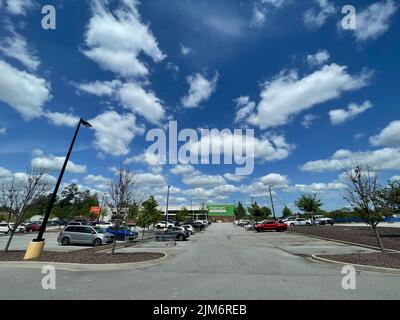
(357, 266)
(344, 242)
(85, 267)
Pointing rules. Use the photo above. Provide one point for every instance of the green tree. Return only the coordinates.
(182, 215)
(390, 196)
(255, 211)
(149, 214)
(286, 212)
(266, 213)
(240, 211)
(309, 203)
(133, 211)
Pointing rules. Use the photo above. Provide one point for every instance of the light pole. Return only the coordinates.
(272, 201)
(166, 210)
(35, 248)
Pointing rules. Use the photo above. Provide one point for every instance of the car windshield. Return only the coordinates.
(99, 230)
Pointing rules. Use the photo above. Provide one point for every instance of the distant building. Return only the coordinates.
(212, 212)
(221, 213)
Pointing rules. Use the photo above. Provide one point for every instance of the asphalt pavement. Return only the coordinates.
(225, 262)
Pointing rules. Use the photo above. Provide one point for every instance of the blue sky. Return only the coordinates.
(318, 97)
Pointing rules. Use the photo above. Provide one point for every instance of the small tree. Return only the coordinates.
(390, 196)
(363, 194)
(286, 212)
(123, 192)
(149, 214)
(309, 203)
(255, 211)
(22, 193)
(266, 213)
(182, 215)
(240, 211)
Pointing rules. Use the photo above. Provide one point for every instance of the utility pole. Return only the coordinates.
(272, 201)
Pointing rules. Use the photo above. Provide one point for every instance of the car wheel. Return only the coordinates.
(308, 224)
(181, 237)
(292, 224)
(65, 241)
(97, 242)
(322, 223)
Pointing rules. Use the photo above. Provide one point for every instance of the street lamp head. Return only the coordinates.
(86, 124)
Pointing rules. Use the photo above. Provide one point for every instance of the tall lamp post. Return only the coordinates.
(272, 201)
(166, 210)
(35, 248)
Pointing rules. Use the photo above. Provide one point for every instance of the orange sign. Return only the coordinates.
(95, 210)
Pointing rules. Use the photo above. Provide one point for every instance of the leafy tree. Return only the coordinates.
(265, 212)
(182, 215)
(286, 212)
(309, 203)
(149, 214)
(390, 196)
(255, 211)
(240, 211)
(363, 194)
(133, 211)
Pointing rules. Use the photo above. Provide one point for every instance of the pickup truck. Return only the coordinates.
(270, 226)
(322, 220)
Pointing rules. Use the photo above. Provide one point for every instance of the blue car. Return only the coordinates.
(122, 233)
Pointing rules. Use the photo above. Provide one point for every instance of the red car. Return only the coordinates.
(270, 225)
(34, 226)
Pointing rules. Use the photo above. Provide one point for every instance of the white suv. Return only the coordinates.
(298, 222)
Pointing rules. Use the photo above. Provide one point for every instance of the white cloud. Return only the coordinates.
(320, 187)
(308, 119)
(244, 108)
(389, 136)
(275, 179)
(200, 90)
(315, 18)
(318, 59)
(182, 169)
(261, 9)
(55, 163)
(114, 132)
(99, 181)
(288, 94)
(3, 130)
(373, 21)
(233, 177)
(186, 50)
(62, 119)
(115, 40)
(395, 178)
(19, 7)
(266, 148)
(135, 98)
(385, 159)
(23, 91)
(203, 180)
(16, 47)
(339, 116)
(99, 88)
(149, 179)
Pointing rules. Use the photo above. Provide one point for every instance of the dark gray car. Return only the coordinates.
(95, 236)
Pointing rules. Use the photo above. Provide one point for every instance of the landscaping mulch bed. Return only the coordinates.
(376, 259)
(84, 257)
(362, 235)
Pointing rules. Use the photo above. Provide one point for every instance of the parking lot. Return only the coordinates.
(224, 262)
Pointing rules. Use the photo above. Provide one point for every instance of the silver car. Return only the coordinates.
(84, 235)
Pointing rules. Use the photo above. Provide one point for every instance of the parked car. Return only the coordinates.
(4, 227)
(84, 235)
(172, 233)
(270, 226)
(164, 224)
(75, 223)
(322, 220)
(33, 226)
(122, 234)
(198, 226)
(104, 225)
(243, 223)
(189, 228)
(21, 228)
(299, 222)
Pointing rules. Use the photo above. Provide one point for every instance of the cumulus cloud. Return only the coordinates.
(275, 179)
(320, 187)
(318, 59)
(54, 163)
(233, 177)
(23, 91)
(315, 18)
(339, 116)
(62, 119)
(200, 90)
(16, 47)
(182, 169)
(115, 40)
(99, 88)
(244, 108)
(203, 180)
(114, 132)
(288, 95)
(385, 159)
(19, 7)
(374, 21)
(261, 9)
(389, 136)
